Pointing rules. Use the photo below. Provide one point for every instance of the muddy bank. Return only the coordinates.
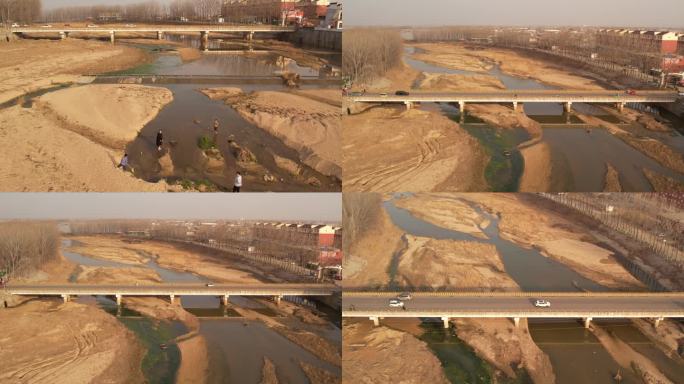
(78, 344)
(309, 126)
(538, 169)
(458, 82)
(380, 355)
(388, 150)
(628, 358)
(45, 151)
(661, 183)
(508, 348)
(108, 114)
(452, 265)
(443, 210)
(612, 180)
(24, 67)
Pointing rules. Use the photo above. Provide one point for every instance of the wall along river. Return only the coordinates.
(578, 158)
(191, 115)
(236, 346)
(576, 355)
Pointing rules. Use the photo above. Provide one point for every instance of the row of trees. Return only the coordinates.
(368, 54)
(20, 11)
(26, 246)
(144, 11)
(360, 213)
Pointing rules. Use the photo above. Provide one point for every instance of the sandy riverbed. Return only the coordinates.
(304, 121)
(57, 146)
(389, 150)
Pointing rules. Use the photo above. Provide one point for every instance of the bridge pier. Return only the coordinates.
(173, 299)
(587, 322)
(224, 300)
(408, 105)
(204, 41)
(461, 107)
(277, 299)
(516, 321)
(445, 320)
(249, 36)
(657, 321)
(376, 320)
(66, 298)
(620, 106)
(119, 299)
(515, 106)
(112, 37)
(63, 35)
(568, 106)
(160, 35)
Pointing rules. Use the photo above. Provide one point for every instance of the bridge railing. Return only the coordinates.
(392, 294)
(503, 313)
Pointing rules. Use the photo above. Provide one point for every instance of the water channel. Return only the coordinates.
(579, 156)
(236, 346)
(576, 355)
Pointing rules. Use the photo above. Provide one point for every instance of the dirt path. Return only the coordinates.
(387, 150)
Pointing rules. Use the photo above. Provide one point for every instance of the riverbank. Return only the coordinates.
(54, 145)
(24, 68)
(77, 344)
(303, 121)
(388, 150)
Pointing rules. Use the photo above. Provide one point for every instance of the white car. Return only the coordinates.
(46, 26)
(210, 284)
(92, 26)
(384, 94)
(15, 25)
(542, 303)
(404, 296)
(396, 303)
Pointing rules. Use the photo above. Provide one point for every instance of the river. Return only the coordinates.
(236, 346)
(582, 171)
(576, 355)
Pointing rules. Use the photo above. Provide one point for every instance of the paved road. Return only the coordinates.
(174, 289)
(162, 28)
(496, 306)
(521, 96)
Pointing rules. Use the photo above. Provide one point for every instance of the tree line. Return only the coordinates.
(20, 11)
(368, 54)
(144, 11)
(26, 246)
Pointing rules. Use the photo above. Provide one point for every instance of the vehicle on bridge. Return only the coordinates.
(542, 304)
(401, 93)
(396, 303)
(404, 296)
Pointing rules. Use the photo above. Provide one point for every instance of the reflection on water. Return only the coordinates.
(243, 345)
(527, 267)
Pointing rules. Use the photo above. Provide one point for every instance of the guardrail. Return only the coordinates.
(514, 294)
(513, 313)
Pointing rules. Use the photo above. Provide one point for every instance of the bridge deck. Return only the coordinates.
(562, 306)
(174, 289)
(522, 96)
(196, 29)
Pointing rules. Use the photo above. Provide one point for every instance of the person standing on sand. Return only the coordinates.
(238, 183)
(160, 140)
(124, 162)
(216, 126)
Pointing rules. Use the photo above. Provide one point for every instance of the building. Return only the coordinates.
(258, 11)
(639, 40)
(313, 10)
(333, 17)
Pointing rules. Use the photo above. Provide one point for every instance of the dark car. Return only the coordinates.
(401, 93)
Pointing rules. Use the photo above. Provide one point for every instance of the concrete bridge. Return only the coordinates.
(516, 97)
(203, 30)
(517, 305)
(224, 291)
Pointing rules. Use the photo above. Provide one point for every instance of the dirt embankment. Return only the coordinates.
(108, 114)
(58, 145)
(381, 355)
(538, 169)
(450, 264)
(628, 358)
(445, 211)
(389, 150)
(507, 347)
(612, 179)
(167, 255)
(69, 343)
(668, 336)
(366, 262)
(661, 183)
(24, 67)
(310, 126)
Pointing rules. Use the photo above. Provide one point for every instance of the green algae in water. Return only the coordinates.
(503, 171)
(460, 363)
(159, 365)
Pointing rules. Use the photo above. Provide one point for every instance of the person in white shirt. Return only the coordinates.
(238, 183)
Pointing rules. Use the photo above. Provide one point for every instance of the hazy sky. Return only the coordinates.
(49, 4)
(267, 206)
(651, 13)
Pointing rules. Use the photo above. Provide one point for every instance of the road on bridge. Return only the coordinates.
(522, 96)
(481, 306)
